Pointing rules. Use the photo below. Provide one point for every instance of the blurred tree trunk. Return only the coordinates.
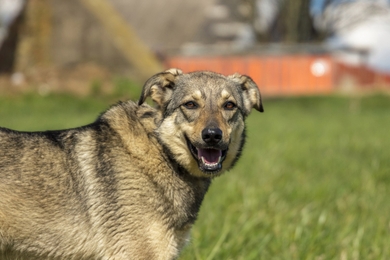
(293, 23)
(297, 21)
(35, 35)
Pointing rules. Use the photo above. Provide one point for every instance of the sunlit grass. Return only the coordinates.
(313, 181)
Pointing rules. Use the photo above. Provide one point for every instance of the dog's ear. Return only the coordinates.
(252, 96)
(159, 87)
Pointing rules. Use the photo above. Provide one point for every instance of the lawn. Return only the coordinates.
(313, 181)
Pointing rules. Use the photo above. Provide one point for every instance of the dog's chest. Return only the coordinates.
(181, 197)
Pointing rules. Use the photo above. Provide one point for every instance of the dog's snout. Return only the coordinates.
(212, 135)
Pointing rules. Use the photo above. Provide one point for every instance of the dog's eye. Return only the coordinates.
(191, 105)
(229, 105)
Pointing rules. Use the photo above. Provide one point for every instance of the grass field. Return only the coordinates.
(313, 182)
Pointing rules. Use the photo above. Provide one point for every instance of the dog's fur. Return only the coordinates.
(129, 185)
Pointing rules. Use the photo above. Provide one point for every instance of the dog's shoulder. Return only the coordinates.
(130, 117)
(134, 125)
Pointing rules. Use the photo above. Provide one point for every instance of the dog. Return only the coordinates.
(129, 185)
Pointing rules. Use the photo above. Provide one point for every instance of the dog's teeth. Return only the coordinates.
(211, 164)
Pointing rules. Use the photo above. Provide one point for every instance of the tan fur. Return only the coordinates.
(126, 186)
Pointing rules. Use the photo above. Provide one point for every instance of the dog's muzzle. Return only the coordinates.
(210, 156)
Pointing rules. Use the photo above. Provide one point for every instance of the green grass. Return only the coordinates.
(313, 181)
(34, 113)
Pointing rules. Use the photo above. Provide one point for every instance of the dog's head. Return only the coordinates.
(202, 117)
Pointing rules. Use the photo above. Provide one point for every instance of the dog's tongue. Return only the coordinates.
(210, 155)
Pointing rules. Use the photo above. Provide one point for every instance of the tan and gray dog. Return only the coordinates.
(129, 185)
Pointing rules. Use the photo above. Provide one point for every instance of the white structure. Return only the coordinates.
(360, 32)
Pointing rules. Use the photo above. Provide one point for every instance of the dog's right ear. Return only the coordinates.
(250, 91)
(159, 87)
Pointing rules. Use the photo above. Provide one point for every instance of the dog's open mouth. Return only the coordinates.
(209, 159)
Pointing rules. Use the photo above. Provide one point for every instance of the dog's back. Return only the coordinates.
(40, 182)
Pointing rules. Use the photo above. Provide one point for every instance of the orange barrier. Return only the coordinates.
(360, 77)
(275, 75)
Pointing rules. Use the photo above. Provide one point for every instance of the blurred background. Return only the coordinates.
(314, 178)
(288, 47)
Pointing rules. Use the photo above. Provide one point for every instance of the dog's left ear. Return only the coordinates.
(252, 96)
(159, 87)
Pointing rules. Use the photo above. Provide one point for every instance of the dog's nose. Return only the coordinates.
(212, 135)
